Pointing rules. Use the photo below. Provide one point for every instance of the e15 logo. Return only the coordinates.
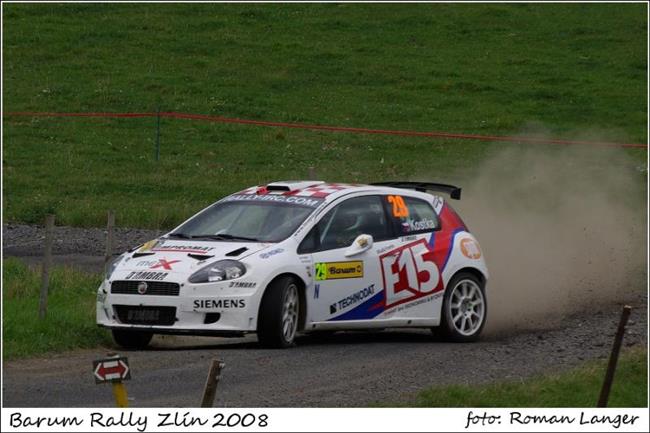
(409, 273)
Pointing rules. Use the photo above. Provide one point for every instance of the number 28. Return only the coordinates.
(399, 207)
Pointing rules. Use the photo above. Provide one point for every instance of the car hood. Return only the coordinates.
(179, 256)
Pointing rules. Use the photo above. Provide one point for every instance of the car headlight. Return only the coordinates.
(219, 271)
(111, 267)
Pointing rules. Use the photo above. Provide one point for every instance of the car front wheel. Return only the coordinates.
(464, 309)
(130, 339)
(279, 314)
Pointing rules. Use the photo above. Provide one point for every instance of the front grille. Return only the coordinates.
(135, 315)
(156, 288)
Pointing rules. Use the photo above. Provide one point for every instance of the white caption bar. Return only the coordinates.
(336, 420)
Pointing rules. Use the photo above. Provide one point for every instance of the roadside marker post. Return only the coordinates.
(47, 261)
(114, 370)
(613, 358)
(210, 389)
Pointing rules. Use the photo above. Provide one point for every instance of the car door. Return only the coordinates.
(411, 277)
(347, 276)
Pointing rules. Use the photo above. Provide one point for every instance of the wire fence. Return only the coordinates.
(313, 127)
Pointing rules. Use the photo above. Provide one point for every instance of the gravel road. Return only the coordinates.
(348, 369)
(80, 247)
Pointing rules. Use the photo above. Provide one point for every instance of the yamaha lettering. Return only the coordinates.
(142, 275)
(242, 284)
(212, 304)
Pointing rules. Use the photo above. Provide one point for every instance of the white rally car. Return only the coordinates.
(303, 256)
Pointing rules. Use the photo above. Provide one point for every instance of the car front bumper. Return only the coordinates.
(198, 310)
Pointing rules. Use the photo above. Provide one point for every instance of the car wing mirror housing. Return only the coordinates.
(361, 243)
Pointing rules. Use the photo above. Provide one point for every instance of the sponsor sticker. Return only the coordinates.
(271, 253)
(338, 270)
(145, 275)
(147, 246)
(386, 248)
(242, 284)
(409, 273)
(165, 264)
(470, 248)
(418, 301)
(218, 304)
(415, 226)
(170, 247)
(353, 299)
(437, 204)
(290, 199)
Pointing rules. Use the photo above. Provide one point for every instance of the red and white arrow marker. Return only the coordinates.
(111, 370)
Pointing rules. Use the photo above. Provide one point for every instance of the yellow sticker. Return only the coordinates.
(148, 246)
(338, 270)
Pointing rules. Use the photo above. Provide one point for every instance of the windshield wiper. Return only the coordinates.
(224, 236)
(180, 235)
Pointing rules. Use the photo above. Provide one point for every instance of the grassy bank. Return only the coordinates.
(571, 71)
(577, 388)
(70, 320)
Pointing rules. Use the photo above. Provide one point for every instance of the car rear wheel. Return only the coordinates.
(464, 309)
(279, 314)
(130, 339)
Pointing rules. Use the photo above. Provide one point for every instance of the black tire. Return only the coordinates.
(273, 327)
(450, 331)
(131, 339)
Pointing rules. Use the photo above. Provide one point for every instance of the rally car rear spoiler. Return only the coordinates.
(453, 191)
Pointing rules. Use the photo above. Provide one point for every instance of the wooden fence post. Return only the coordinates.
(210, 389)
(47, 261)
(110, 226)
(311, 174)
(613, 357)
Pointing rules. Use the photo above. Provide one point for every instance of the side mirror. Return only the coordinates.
(361, 243)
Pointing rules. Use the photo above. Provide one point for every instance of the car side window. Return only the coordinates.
(342, 224)
(411, 215)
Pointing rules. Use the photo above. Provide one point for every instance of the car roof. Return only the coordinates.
(323, 190)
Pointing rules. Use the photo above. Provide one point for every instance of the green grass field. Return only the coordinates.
(579, 387)
(70, 320)
(570, 71)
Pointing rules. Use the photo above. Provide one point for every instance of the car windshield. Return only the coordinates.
(249, 219)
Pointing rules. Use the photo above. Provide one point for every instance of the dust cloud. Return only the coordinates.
(563, 229)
